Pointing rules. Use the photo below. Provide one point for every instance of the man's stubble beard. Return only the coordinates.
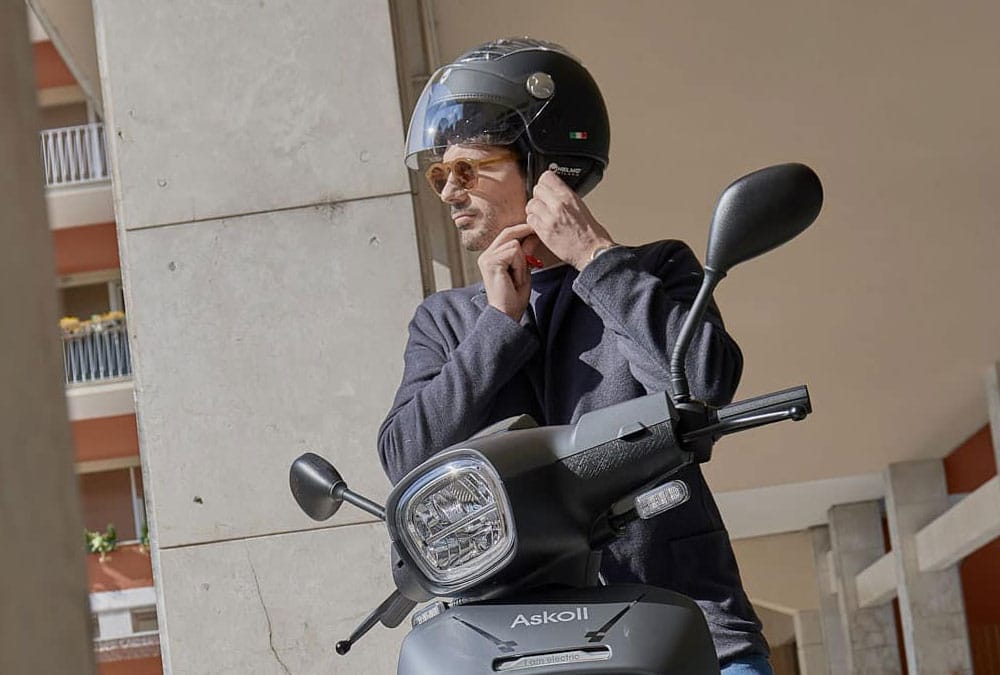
(479, 239)
(475, 242)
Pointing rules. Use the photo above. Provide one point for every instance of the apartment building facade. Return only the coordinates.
(97, 368)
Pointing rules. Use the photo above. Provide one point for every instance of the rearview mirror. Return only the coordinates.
(762, 211)
(756, 213)
(313, 482)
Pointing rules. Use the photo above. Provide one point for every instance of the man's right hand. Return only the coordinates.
(505, 271)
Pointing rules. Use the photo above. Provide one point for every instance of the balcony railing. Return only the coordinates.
(74, 155)
(96, 349)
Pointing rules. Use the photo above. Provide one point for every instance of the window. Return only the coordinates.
(114, 497)
(144, 620)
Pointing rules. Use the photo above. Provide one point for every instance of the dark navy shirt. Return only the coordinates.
(545, 285)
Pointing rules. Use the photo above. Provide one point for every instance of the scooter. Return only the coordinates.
(508, 525)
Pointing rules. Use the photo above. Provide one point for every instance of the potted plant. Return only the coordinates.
(144, 539)
(101, 543)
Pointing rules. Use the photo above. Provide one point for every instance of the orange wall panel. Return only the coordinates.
(125, 567)
(106, 498)
(985, 643)
(971, 464)
(50, 69)
(981, 585)
(86, 248)
(148, 666)
(105, 438)
(967, 467)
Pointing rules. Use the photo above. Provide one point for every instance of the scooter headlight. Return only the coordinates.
(455, 522)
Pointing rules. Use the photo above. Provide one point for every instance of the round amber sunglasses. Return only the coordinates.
(465, 170)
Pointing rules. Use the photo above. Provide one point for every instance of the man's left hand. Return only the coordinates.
(563, 222)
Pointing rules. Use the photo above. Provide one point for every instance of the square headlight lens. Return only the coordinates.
(456, 521)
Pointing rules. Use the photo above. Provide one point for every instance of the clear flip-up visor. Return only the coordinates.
(465, 105)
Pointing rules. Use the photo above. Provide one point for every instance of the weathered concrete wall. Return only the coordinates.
(930, 603)
(809, 643)
(44, 618)
(270, 266)
(831, 626)
(856, 542)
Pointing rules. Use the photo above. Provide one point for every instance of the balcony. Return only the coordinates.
(125, 625)
(75, 163)
(74, 155)
(95, 350)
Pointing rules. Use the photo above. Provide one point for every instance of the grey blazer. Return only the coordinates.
(611, 331)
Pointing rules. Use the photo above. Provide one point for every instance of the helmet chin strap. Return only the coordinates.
(529, 175)
(534, 167)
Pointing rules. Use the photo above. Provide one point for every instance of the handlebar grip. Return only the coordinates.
(773, 402)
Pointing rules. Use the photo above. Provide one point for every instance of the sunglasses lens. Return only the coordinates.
(437, 176)
(465, 173)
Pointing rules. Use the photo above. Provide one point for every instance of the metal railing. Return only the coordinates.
(96, 349)
(74, 155)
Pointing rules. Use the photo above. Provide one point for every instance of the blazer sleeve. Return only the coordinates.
(643, 296)
(446, 394)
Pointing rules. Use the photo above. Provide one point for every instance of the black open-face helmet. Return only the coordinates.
(532, 95)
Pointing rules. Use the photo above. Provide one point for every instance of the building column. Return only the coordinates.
(870, 634)
(992, 381)
(930, 603)
(831, 627)
(270, 267)
(809, 642)
(44, 617)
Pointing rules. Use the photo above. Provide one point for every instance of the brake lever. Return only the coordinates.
(743, 422)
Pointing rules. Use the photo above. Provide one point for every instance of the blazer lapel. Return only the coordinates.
(537, 366)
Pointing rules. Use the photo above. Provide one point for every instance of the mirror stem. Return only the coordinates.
(678, 373)
(341, 491)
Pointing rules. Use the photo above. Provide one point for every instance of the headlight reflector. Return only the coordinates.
(456, 522)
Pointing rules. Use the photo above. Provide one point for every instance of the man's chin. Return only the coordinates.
(472, 241)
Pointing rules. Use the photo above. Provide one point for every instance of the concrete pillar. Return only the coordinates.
(930, 603)
(809, 642)
(270, 268)
(870, 634)
(829, 609)
(992, 381)
(44, 617)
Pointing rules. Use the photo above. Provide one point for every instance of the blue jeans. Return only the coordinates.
(753, 665)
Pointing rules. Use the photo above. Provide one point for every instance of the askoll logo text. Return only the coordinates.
(565, 616)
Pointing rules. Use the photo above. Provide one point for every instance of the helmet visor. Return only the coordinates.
(468, 106)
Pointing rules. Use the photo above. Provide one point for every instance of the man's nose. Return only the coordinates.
(453, 193)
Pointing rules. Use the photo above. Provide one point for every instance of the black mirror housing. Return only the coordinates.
(762, 211)
(314, 482)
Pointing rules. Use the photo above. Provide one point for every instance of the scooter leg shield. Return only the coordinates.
(622, 629)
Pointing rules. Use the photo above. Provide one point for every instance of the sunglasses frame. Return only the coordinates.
(474, 163)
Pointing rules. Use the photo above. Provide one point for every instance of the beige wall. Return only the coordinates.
(779, 628)
(778, 571)
(883, 307)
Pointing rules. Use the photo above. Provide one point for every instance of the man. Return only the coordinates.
(511, 136)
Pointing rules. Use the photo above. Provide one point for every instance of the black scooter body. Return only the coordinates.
(622, 629)
(565, 492)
